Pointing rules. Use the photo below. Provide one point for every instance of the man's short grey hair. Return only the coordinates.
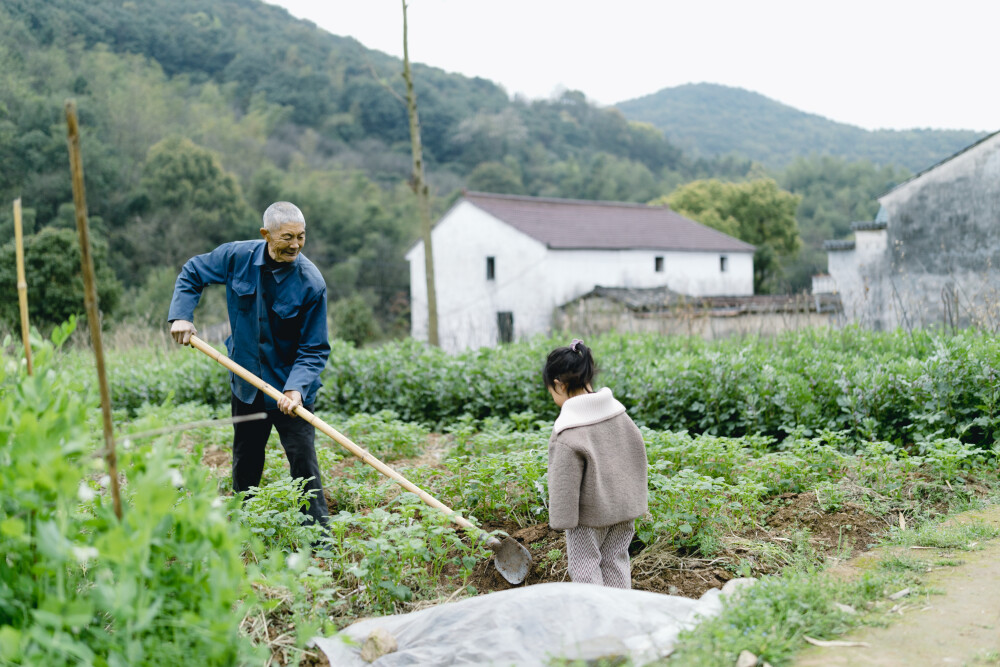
(281, 212)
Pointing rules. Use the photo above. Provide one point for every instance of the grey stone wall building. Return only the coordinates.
(932, 255)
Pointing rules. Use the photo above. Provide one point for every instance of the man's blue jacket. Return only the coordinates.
(278, 324)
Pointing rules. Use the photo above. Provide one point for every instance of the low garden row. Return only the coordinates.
(897, 387)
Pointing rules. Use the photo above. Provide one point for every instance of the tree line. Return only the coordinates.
(197, 114)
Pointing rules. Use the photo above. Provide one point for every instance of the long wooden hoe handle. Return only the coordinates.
(341, 439)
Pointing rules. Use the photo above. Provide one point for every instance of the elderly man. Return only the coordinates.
(277, 311)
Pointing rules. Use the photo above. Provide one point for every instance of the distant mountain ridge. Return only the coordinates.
(711, 119)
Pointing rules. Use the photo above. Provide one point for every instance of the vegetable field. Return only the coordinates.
(768, 458)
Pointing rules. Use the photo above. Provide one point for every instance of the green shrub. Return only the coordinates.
(163, 585)
(353, 320)
(55, 283)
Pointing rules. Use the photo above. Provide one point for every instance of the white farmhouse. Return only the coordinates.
(503, 263)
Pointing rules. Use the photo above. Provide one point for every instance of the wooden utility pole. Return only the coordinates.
(90, 298)
(22, 283)
(419, 185)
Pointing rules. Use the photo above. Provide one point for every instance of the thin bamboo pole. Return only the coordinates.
(419, 184)
(204, 423)
(22, 284)
(90, 298)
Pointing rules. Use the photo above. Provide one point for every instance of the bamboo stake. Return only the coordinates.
(90, 298)
(22, 283)
(419, 185)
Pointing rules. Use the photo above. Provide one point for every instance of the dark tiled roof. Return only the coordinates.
(838, 245)
(638, 298)
(659, 299)
(581, 224)
(868, 225)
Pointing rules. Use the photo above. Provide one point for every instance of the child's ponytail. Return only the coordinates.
(572, 365)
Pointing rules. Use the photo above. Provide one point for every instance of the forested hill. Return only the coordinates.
(710, 119)
(195, 114)
(333, 85)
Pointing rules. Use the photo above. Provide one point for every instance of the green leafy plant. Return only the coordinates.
(385, 436)
(686, 508)
(830, 496)
(395, 557)
(496, 487)
(274, 514)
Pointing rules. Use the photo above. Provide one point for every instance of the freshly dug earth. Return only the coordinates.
(958, 627)
(848, 529)
(838, 533)
(661, 569)
(539, 540)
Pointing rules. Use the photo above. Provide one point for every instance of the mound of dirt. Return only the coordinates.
(849, 529)
(540, 540)
(662, 570)
(688, 579)
(660, 573)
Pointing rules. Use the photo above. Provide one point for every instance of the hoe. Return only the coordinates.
(512, 560)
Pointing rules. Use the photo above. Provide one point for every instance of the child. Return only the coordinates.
(597, 470)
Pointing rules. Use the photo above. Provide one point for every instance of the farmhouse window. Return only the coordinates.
(658, 262)
(723, 263)
(505, 326)
(491, 268)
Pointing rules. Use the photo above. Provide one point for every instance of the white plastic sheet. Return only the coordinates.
(531, 626)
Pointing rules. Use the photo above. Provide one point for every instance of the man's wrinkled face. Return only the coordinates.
(285, 243)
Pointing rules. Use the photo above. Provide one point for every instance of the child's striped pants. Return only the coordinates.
(600, 555)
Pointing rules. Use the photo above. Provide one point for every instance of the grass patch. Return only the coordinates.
(986, 658)
(771, 618)
(903, 564)
(948, 562)
(964, 537)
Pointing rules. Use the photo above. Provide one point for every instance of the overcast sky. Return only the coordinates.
(871, 63)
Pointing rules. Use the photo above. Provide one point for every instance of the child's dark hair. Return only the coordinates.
(572, 365)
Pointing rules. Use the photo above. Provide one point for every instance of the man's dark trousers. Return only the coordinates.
(297, 437)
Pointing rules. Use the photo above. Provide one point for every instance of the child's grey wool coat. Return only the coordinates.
(597, 464)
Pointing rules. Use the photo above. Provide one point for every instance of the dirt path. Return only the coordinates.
(960, 627)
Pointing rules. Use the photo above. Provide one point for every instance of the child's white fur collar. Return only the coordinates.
(587, 409)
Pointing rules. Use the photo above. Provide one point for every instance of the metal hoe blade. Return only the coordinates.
(512, 560)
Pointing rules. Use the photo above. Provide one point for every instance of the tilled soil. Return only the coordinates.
(660, 569)
(840, 533)
(849, 529)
